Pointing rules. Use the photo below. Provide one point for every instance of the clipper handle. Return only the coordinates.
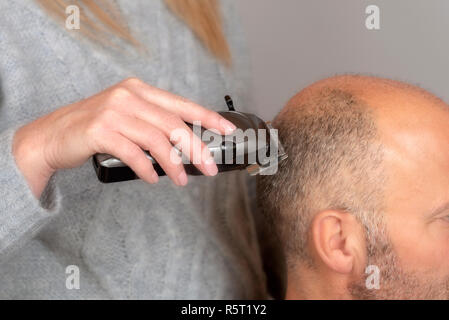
(111, 169)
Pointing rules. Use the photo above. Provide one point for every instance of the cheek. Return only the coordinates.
(422, 248)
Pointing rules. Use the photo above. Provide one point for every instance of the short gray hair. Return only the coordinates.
(334, 162)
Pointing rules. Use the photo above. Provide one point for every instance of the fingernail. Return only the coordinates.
(228, 126)
(210, 167)
(182, 179)
(154, 177)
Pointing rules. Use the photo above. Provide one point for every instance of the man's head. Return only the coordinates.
(366, 183)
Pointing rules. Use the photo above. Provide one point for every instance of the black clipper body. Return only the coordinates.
(252, 151)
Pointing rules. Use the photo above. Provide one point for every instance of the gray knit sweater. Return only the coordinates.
(128, 239)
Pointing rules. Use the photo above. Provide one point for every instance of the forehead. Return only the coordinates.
(414, 131)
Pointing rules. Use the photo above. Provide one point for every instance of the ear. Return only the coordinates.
(338, 241)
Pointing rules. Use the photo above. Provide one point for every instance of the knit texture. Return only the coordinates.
(130, 240)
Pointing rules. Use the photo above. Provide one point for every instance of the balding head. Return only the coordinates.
(365, 157)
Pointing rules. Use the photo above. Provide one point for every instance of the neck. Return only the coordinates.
(306, 283)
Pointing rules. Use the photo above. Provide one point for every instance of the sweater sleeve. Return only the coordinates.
(22, 215)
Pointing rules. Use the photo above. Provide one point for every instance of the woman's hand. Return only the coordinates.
(121, 121)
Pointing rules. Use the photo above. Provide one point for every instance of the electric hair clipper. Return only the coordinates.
(253, 146)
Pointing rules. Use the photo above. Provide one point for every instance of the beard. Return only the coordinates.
(394, 282)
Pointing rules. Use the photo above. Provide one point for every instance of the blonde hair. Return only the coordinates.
(101, 17)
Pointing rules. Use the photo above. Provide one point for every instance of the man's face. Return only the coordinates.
(415, 262)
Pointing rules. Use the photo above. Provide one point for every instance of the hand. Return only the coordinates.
(121, 121)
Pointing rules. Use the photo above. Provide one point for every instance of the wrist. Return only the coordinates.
(28, 155)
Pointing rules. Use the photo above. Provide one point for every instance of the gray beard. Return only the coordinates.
(394, 282)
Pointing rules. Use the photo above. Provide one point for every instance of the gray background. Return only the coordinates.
(296, 42)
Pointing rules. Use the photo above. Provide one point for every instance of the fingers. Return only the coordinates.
(195, 150)
(150, 138)
(174, 129)
(115, 144)
(154, 120)
(186, 109)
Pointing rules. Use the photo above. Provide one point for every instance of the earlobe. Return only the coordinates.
(333, 238)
